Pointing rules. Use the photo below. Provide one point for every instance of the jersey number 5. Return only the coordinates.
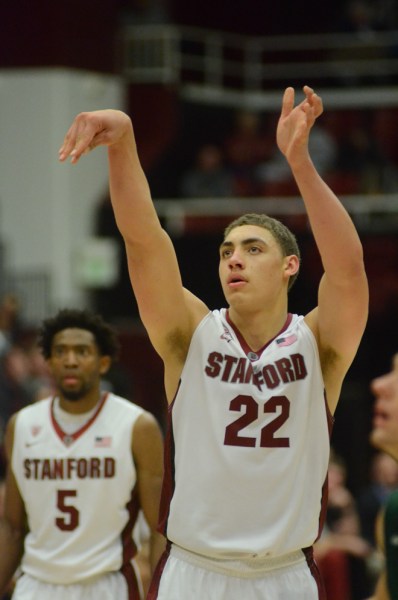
(70, 520)
(268, 439)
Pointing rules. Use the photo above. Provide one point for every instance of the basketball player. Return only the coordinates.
(384, 436)
(81, 465)
(251, 387)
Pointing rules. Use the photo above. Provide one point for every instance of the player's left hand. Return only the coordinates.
(295, 123)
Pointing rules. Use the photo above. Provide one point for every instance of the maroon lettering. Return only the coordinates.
(26, 465)
(214, 362)
(82, 468)
(239, 374)
(95, 468)
(241, 371)
(229, 362)
(271, 376)
(300, 370)
(285, 369)
(46, 469)
(58, 468)
(69, 468)
(110, 468)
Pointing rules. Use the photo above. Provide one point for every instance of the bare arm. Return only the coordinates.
(148, 457)
(167, 311)
(12, 524)
(340, 318)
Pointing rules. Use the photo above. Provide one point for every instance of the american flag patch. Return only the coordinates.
(286, 341)
(102, 441)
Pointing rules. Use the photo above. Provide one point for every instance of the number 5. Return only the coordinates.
(70, 522)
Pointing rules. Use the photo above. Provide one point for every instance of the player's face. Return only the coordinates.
(76, 363)
(384, 434)
(252, 267)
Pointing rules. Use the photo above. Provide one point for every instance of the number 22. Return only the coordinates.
(233, 437)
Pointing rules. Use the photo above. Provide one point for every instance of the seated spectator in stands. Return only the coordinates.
(361, 156)
(341, 551)
(248, 145)
(274, 176)
(208, 178)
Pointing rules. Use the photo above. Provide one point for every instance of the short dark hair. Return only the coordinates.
(282, 234)
(105, 336)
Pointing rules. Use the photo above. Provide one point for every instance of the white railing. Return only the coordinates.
(373, 213)
(213, 66)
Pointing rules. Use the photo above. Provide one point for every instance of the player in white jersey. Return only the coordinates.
(82, 465)
(251, 388)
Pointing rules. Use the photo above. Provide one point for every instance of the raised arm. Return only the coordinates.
(12, 523)
(339, 320)
(168, 312)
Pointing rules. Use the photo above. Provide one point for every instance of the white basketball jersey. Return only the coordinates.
(248, 444)
(79, 491)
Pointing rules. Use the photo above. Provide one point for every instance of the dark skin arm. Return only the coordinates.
(148, 457)
(12, 524)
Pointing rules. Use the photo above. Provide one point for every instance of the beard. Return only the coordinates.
(76, 394)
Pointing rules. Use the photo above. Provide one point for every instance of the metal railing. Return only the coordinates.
(213, 66)
(371, 213)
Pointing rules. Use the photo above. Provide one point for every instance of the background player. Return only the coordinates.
(81, 465)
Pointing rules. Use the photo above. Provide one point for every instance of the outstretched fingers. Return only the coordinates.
(79, 139)
(314, 100)
(287, 102)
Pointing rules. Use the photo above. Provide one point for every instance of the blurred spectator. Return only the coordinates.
(383, 480)
(247, 146)
(341, 552)
(364, 17)
(208, 178)
(274, 176)
(14, 393)
(361, 156)
(24, 379)
(359, 16)
(9, 321)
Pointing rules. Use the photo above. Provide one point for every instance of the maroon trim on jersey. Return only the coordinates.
(324, 493)
(168, 485)
(329, 416)
(245, 346)
(67, 438)
(313, 567)
(133, 588)
(155, 582)
(128, 542)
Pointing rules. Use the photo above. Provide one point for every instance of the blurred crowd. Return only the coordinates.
(355, 151)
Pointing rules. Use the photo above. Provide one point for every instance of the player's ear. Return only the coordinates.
(292, 264)
(105, 363)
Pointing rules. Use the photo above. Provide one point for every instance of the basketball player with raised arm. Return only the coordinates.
(251, 387)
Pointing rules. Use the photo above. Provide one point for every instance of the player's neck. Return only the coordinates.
(82, 405)
(258, 328)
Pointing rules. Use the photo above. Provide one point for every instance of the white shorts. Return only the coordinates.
(112, 586)
(182, 576)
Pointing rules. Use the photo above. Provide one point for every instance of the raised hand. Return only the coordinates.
(92, 129)
(295, 123)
